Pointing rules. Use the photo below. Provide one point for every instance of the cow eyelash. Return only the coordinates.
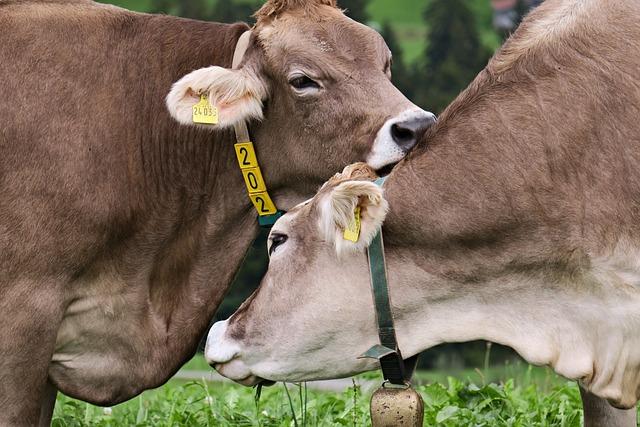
(276, 240)
(302, 82)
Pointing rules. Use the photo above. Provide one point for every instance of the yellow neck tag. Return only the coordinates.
(204, 113)
(352, 232)
(256, 187)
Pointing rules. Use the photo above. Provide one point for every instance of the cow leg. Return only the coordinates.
(599, 413)
(48, 404)
(29, 320)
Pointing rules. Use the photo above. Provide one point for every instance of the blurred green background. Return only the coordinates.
(438, 47)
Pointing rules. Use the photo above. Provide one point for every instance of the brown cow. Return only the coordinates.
(120, 229)
(517, 220)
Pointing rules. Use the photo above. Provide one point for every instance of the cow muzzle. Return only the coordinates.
(222, 354)
(398, 136)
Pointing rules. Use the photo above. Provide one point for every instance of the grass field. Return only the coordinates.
(520, 396)
(454, 403)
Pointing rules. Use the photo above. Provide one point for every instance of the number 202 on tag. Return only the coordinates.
(263, 203)
(246, 155)
(253, 180)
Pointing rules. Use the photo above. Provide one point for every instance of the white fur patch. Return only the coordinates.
(218, 350)
(385, 150)
(337, 208)
(621, 267)
(237, 94)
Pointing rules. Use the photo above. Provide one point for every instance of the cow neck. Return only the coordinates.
(257, 191)
(190, 193)
(229, 224)
(472, 215)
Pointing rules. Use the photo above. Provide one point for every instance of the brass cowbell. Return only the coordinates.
(392, 407)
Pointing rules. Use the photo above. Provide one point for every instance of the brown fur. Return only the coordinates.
(353, 172)
(273, 8)
(120, 230)
(529, 180)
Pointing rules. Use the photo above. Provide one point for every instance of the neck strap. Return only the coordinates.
(394, 369)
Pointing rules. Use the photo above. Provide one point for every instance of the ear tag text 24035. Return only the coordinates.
(205, 113)
(352, 232)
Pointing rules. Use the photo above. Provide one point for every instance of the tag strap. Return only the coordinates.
(268, 214)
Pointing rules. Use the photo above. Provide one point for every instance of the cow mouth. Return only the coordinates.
(386, 170)
(244, 378)
(254, 381)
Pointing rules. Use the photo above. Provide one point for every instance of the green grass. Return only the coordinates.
(514, 394)
(453, 403)
(197, 364)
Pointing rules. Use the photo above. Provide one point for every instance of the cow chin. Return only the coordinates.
(237, 371)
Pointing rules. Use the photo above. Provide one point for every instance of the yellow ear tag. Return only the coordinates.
(352, 232)
(204, 113)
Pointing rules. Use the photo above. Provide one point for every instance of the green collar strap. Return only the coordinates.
(394, 369)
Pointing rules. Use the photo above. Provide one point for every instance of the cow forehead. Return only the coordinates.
(297, 220)
(334, 37)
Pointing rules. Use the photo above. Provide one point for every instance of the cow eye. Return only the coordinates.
(302, 83)
(276, 240)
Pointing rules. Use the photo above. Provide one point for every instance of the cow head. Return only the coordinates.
(315, 88)
(313, 314)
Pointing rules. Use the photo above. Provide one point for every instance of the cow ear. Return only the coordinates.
(237, 95)
(347, 204)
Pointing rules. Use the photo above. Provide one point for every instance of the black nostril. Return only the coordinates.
(407, 132)
(402, 134)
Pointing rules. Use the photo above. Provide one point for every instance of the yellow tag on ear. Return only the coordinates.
(204, 113)
(352, 232)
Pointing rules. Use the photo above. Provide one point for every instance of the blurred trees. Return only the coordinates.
(400, 73)
(234, 11)
(508, 14)
(196, 9)
(454, 53)
(229, 11)
(355, 9)
(220, 11)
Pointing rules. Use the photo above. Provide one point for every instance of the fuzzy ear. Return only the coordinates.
(237, 94)
(338, 208)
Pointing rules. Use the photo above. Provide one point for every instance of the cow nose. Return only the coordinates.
(219, 349)
(406, 133)
(397, 136)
